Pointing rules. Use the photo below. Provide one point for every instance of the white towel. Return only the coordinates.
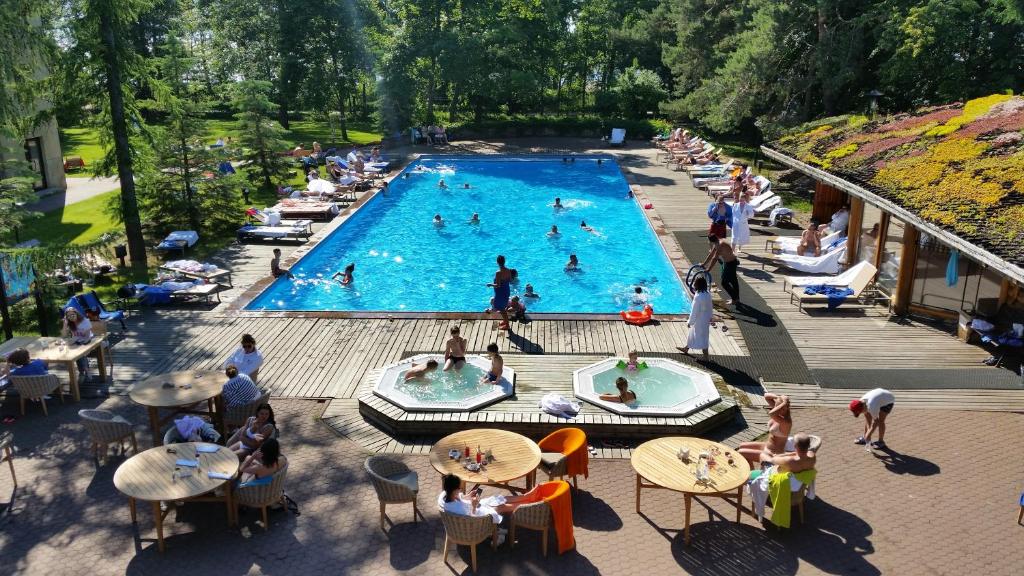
(777, 213)
(555, 404)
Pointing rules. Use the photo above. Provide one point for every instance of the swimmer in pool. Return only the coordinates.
(475, 219)
(639, 298)
(629, 193)
(438, 222)
(624, 396)
(406, 175)
(441, 184)
(558, 204)
(346, 276)
(530, 293)
(419, 371)
(585, 228)
(553, 232)
(497, 365)
(573, 264)
(633, 364)
(600, 161)
(466, 185)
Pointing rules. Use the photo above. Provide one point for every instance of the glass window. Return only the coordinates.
(892, 251)
(975, 287)
(870, 225)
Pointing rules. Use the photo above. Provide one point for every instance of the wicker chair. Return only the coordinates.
(263, 495)
(235, 416)
(468, 531)
(7, 450)
(105, 428)
(36, 388)
(394, 482)
(535, 516)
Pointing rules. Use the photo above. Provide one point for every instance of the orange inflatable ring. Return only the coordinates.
(638, 317)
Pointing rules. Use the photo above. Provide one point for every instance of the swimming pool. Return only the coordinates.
(405, 263)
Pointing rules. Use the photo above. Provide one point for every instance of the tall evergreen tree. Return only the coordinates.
(260, 137)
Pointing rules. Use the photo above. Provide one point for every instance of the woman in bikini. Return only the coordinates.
(625, 395)
(257, 430)
(455, 351)
(780, 423)
(264, 462)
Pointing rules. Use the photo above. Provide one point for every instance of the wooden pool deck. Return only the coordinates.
(334, 359)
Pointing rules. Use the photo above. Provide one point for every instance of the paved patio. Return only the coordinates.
(944, 504)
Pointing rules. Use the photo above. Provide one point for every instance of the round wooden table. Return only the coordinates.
(175, 390)
(152, 476)
(515, 456)
(657, 461)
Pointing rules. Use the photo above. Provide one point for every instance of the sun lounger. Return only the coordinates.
(300, 230)
(842, 279)
(829, 262)
(618, 137)
(789, 244)
(196, 271)
(91, 301)
(307, 209)
(863, 277)
(179, 240)
(198, 292)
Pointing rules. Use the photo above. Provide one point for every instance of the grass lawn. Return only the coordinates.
(85, 141)
(74, 224)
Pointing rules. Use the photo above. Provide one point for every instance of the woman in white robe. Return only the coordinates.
(741, 212)
(699, 324)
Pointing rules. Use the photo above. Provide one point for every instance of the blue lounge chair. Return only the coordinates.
(90, 301)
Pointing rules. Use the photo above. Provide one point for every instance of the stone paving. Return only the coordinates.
(944, 502)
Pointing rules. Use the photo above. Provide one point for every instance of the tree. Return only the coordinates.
(260, 137)
(105, 30)
(638, 91)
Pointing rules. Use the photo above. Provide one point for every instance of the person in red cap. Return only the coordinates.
(876, 406)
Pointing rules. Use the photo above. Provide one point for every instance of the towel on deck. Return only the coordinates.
(557, 495)
(778, 214)
(836, 294)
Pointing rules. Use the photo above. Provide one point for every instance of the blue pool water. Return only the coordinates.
(404, 263)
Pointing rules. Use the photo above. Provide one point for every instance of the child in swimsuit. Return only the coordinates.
(438, 222)
(455, 351)
(530, 293)
(497, 365)
(419, 371)
(516, 310)
(634, 361)
(346, 276)
(573, 264)
(475, 219)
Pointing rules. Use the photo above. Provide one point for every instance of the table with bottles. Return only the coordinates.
(693, 466)
(487, 456)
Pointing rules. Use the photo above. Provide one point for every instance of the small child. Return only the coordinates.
(497, 365)
(633, 364)
(475, 219)
(530, 293)
(438, 221)
(419, 371)
(516, 310)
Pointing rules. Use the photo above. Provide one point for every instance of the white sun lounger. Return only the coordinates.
(789, 244)
(828, 263)
(862, 277)
(842, 279)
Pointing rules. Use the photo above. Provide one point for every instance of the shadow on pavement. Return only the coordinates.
(592, 513)
(905, 464)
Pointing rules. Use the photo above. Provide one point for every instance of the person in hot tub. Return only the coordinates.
(420, 371)
(625, 395)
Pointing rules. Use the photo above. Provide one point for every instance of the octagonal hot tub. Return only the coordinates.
(439, 391)
(664, 388)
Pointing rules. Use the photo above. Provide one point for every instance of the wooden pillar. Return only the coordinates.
(908, 264)
(883, 233)
(853, 230)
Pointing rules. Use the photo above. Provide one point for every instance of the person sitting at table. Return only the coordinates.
(453, 501)
(246, 357)
(79, 329)
(802, 458)
(254, 433)
(191, 429)
(262, 464)
(21, 364)
(239, 390)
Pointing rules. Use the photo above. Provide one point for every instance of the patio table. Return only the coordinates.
(47, 349)
(153, 476)
(178, 392)
(657, 462)
(515, 456)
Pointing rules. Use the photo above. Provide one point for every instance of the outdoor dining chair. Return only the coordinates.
(106, 428)
(236, 416)
(37, 388)
(394, 482)
(468, 531)
(262, 493)
(564, 453)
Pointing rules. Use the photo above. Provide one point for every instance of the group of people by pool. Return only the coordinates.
(455, 359)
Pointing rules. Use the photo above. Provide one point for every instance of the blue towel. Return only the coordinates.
(953, 268)
(836, 294)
